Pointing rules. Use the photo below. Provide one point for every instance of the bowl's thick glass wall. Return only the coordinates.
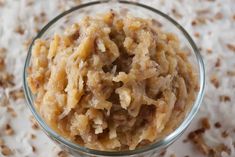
(75, 14)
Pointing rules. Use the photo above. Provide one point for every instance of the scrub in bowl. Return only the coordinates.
(112, 82)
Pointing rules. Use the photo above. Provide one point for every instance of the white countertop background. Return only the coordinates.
(211, 35)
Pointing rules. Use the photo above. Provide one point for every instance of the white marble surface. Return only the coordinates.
(213, 34)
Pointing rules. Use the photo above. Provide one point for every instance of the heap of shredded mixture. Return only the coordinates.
(112, 82)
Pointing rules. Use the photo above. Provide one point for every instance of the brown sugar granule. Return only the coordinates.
(200, 20)
(11, 111)
(224, 134)
(219, 16)
(218, 63)
(6, 79)
(230, 73)
(217, 125)
(29, 2)
(4, 101)
(205, 123)
(156, 23)
(209, 51)
(2, 63)
(26, 43)
(224, 98)
(34, 149)
(203, 11)
(231, 47)
(3, 50)
(32, 136)
(223, 148)
(17, 94)
(197, 138)
(9, 130)
(19, 30)
(193, 23)
(197, 35)
(176, 13)
(77, 2)
(163, 153)
(62, 154)
(185, 141)
(214, 80)
(6, 150)
(172, 155)
(2, 3)
(1, 142)
(34, 123)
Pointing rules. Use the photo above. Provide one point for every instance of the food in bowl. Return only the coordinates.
(112, 82)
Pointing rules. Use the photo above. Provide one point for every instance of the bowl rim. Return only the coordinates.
(158, 145)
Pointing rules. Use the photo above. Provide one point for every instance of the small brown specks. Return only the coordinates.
(34, 123)
(156, 23)
(233, 17)
(8, 130)
(29, 2)
(224, 134)
(172, 155)
(231, 47)
(32, 136)
(2, 63)
(224, 98)
(11, 111)
(217, 125)
(218, 63)
(223, 148)
(6, 79)
(1, 142)
(163, 153)
(2, 58)
(197, 35)
(219, 16)
(214, 80)
(193, 23)
(34, 149)
(26, 44)
(77, 2)
(2, 3)
(203, 11)
(17, 94)
(2, 50)
(185, 140)
(6, 150)
(230, 73)
(197, 139)
(4, 101)
(19, 30)
(62, 154)
(205, 123)
(176, 13)
(209, 51)
(198, 21)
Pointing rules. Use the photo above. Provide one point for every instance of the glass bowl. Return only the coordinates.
(139, 10)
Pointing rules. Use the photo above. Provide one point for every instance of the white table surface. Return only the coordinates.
(212, 37)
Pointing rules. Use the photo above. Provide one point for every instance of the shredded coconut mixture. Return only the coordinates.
(210, 22)
(112, 82)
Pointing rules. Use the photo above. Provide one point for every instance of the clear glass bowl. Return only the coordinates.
(139, 10)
